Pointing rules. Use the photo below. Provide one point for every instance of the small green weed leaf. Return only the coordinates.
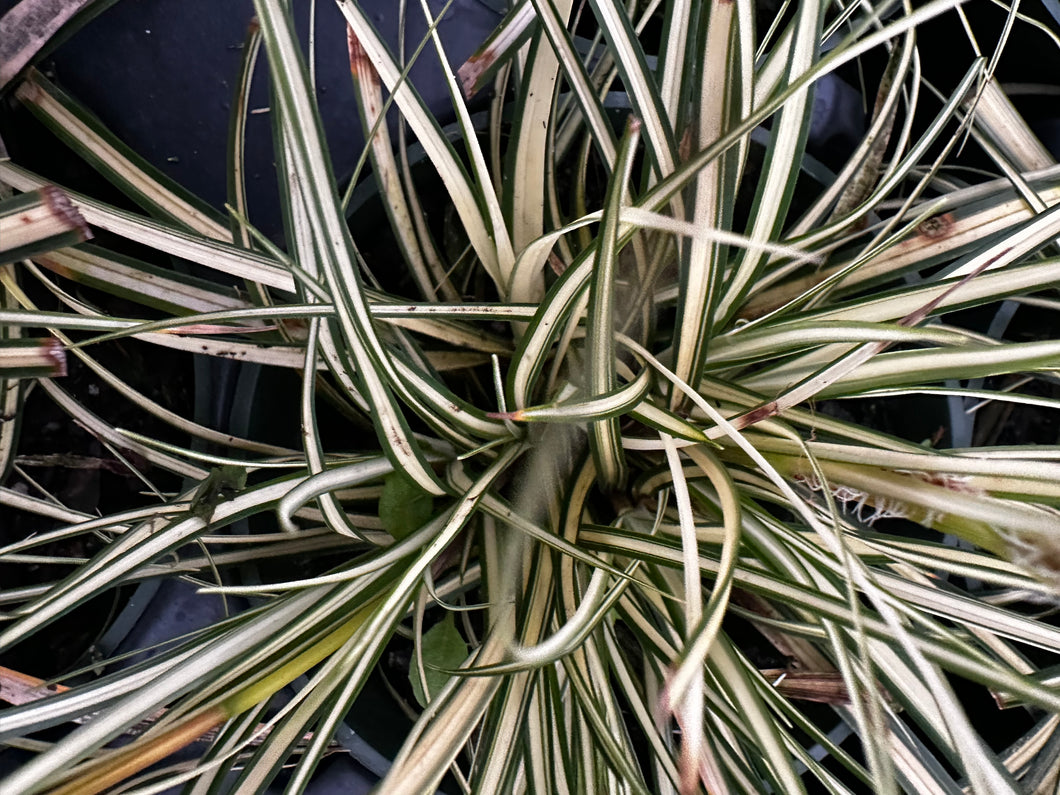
(443, 650)
(403, 506)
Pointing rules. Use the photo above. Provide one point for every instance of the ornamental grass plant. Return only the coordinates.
(631, 389)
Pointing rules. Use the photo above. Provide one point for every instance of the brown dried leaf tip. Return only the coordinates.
(472, 69)
(60, 206)
(52, 350)
(360, 64)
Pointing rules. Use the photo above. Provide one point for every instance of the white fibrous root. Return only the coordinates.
(1036, 553)
(869, 508)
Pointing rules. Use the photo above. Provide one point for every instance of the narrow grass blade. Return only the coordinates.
(310, 162)
(659, 135)
(787, 140)
(237, 129)
(477, 220)
(427, 273)
(604, 435)
(703, 263)
(145, 184)
(524, 189)
(576, 75)
(138, 281)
